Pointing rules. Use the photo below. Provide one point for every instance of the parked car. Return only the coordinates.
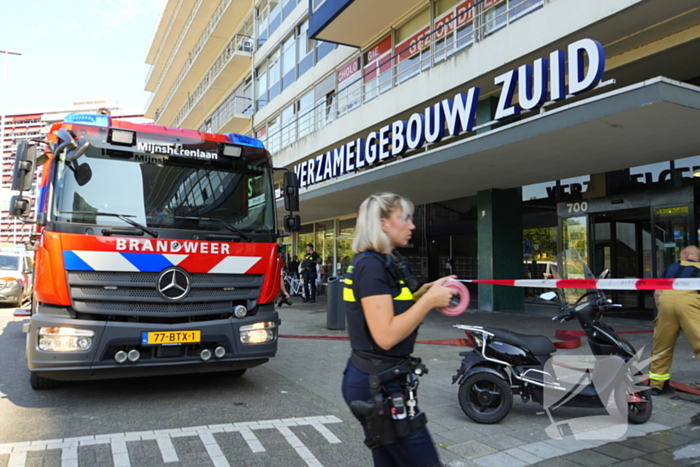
(16, 278)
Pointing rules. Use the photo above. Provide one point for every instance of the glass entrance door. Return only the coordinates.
(638, 243)
(671, 234)
(622, 244)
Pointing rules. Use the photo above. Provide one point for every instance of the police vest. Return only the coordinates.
(369, 275)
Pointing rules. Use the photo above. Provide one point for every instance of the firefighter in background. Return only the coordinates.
(309, 273)
(678, 310)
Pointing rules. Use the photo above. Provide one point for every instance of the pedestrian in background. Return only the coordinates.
(310, 273)
(383, 316)
(678, 310)
(293, 267)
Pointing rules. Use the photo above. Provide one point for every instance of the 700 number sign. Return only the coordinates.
(577, 207)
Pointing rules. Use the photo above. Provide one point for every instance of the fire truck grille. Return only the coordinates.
(136, 294)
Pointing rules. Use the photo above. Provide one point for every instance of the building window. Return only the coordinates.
(273, 72)
(289, 133)
(377, 69)
(494, 15)
(288, 7)
(289, 61)
(323, 49)
(349, 87)
(273, 135)
(413, 46)
(305, 48)
(306, 114)
(261, 87)
(263, 14)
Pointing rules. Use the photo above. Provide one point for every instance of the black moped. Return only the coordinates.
(504, 363)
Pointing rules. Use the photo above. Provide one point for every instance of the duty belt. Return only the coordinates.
(385, 368)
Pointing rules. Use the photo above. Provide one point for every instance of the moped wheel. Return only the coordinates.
(637, 404)
(485, 398)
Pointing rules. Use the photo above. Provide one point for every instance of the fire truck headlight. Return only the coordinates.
(258, 333)
(57, 339)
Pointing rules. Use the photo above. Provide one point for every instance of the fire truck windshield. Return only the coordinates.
(163, 192)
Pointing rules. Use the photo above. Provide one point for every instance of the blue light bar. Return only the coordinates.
(89, 119)
(242, 140)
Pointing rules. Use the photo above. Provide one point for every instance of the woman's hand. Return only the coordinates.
(424, 288)
(435, 293)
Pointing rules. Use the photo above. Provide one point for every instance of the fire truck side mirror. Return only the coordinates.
(23, 171)
(291, 193)
(292, 223)
(20, 206)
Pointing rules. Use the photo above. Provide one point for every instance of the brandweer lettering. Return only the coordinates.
(172, 246)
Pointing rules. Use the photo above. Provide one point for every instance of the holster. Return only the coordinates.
(383, 428)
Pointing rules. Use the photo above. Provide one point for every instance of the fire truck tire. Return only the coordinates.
(39, 382)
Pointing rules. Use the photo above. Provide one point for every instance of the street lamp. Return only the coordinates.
(2, 121)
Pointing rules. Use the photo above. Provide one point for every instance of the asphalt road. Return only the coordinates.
(259, 419)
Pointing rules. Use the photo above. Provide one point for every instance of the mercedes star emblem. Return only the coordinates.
(173, 284)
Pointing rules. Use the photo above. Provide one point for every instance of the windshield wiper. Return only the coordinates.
(224, 223)
(122, 217)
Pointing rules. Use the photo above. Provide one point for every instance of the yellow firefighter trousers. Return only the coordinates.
(678, 310)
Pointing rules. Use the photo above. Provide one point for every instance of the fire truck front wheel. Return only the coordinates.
(39, 382)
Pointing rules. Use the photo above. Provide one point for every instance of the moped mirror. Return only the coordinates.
(548, 296)
(604, 274)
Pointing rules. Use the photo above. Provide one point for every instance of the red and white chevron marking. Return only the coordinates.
(605, 284)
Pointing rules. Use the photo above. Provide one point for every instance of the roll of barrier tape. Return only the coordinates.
(459, 302)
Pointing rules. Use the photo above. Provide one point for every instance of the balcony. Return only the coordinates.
(230, 67)
(347, 22)
(232, 116)
(451, 36)
(188, 59)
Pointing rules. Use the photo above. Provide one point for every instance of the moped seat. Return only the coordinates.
(538, 345)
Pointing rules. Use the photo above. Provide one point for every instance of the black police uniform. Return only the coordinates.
(309, 275)
(369, 276)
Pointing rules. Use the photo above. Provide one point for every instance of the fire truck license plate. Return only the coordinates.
(171, 337)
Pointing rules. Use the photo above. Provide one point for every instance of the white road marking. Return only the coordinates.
(118, 442)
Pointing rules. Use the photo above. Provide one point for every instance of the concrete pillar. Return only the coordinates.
(500, 238)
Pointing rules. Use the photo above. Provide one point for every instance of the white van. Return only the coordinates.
(16, 278)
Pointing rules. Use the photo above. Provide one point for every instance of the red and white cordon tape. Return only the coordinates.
(605, 284)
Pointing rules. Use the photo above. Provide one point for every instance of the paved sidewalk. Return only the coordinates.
(671, 437)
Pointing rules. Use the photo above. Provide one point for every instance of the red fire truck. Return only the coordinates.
(156, 250)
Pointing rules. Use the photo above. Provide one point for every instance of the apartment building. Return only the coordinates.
(519, 128)
(34, 124)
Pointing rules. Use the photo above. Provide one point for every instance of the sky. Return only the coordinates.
(75, 51)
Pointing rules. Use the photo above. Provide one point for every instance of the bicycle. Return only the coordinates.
(294, 285)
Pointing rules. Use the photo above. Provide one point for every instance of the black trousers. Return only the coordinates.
(310, 286)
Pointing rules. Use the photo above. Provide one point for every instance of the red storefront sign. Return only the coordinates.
(349, 71)
(378, 60)
(464, 13)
